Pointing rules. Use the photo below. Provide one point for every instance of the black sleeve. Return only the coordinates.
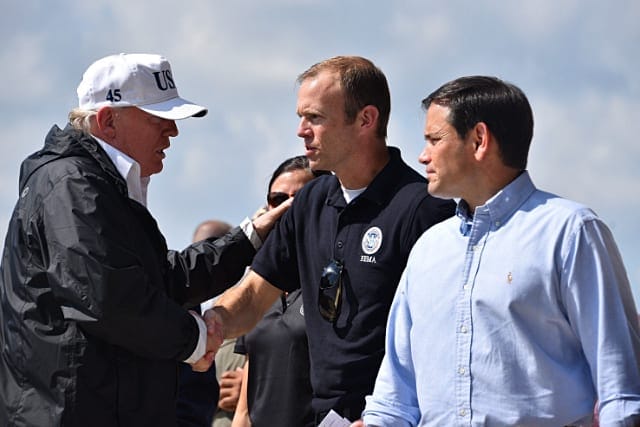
(277, 260)
(206, 269)
(99, 275)
(240, 347)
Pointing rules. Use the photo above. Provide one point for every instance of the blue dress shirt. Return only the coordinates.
(521, 315)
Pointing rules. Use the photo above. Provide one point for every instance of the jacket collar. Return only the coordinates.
(70, 142)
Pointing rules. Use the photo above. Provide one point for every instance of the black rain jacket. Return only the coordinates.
(91, 299)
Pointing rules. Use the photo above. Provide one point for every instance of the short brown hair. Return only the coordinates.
(362, 83)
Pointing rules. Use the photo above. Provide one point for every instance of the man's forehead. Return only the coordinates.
(318, 93)
(436, 118)
(438, 111)
(324, 81)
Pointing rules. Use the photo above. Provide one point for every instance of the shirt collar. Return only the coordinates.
(501, 206)
(379, 189)
(130, 171)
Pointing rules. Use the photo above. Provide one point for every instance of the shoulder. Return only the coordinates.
(558, 210)
(320, 185)
(62, 178)
(72, 174)
(439, 233)
(315, 192)
(65, 154)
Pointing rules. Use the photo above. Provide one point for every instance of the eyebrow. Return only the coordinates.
(308, 110)
(433, 135)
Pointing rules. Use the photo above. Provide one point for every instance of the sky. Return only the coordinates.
(577, 61)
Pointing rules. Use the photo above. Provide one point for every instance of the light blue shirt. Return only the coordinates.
(522, 315)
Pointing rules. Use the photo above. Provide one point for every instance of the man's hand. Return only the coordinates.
(204, 363)
(265, 222)
(241, 307)
(215, 336)
(230, 385)
(214, 325)
(358, 423)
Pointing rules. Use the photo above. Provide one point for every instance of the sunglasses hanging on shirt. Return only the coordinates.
(330, 291)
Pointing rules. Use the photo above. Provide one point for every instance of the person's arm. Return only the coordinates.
(394, 401)
(599, 303)
(241, 416)
(102, 270)
(208, 267)
(240, 308)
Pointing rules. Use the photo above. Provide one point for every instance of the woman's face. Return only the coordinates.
(287, 185)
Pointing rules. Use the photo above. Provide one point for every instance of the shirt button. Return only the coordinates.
(466, 287)
(463, 329)
(462, 412)
(461, 370)
(340, 244)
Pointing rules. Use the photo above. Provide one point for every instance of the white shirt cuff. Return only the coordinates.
(250, 232)
(201, 347)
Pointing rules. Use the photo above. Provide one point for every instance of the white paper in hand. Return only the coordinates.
(333, 419)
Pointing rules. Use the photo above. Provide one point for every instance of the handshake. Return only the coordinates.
(262, 224)
(215, 336)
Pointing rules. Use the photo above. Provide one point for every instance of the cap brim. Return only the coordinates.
(175, 109)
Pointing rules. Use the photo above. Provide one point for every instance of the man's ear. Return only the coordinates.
(105, 120)
(481, 138)
(368, 117)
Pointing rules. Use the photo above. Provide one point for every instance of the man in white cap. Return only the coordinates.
(91, 299)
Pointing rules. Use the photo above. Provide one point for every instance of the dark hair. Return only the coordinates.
(502, 106)
(362, 83)
(293, 164)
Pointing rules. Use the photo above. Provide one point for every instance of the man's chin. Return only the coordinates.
(314, 164)
(436, 192)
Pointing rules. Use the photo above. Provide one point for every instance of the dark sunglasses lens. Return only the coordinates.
(328, 303)
(276, 199)
(330, 276)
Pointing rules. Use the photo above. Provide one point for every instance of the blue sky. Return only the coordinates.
(578, 62)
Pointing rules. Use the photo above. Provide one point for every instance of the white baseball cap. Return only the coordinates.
(139, 80)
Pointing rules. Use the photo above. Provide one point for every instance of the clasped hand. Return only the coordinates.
(215, 336)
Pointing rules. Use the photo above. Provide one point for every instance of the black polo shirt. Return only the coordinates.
(372, 236)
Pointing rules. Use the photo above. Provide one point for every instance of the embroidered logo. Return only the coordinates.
(372, 241)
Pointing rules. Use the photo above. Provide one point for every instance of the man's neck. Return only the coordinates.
(364, 170)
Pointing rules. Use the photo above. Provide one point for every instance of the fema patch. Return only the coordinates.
(372, 240)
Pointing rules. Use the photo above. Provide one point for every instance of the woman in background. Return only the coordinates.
(276, 390)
